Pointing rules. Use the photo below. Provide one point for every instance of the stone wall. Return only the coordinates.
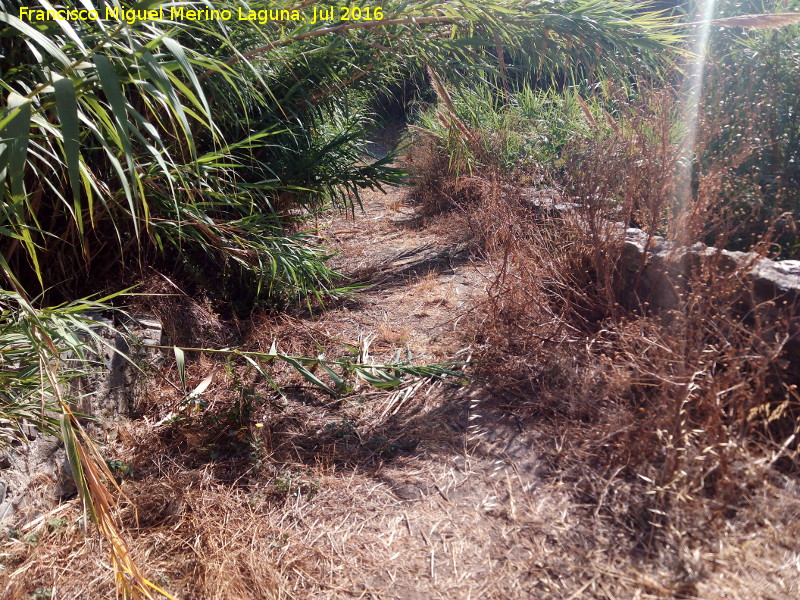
(653, 277)
(652, 269)
(36, 476)
(653, 274)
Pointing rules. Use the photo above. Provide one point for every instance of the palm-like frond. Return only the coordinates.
(762, 21)
(111, 129)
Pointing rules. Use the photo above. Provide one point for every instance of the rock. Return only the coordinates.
(653, 269)
(776, 280)
(37, 479)
(654, 272)
(36, 476)
(656, 275)
(108, 393)
(547, 201)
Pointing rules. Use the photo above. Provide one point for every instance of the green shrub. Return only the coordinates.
(752, 77)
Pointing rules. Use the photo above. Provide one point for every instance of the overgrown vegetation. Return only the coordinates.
(196, 147)
(681, 399)
(204, 150)
(752, 79)
(540, 134)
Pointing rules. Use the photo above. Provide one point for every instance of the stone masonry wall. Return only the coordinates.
(35, 476)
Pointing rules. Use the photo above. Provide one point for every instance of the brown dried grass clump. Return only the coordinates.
(437, 187)
(198, 539)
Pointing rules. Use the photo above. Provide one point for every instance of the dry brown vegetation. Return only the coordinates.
(610, 443)
(604, 450)
(674, 426)
(529, 484)
(265, 493)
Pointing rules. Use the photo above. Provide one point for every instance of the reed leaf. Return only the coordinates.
(760, 21)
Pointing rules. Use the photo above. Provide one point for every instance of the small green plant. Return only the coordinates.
(292, 483)
(119, 469)
(523, 135)
(249, 401)
(752, 78)
(56, 524)
(386, 449)
(278, 540)
(342, 430)
(256, 451)
(336, 378)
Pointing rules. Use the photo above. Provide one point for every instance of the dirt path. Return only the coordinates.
(414, 494)
(421, 282)
(457, 517)
(466, 508)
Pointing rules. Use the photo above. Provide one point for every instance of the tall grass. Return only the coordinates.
(675, 406)
(754, 72)
(523, 134)
(187, 142)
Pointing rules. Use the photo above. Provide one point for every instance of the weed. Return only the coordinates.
(119, 469)
(344, 430)
(669, 390)
(56, 524)
(387, 450)
(294, 484)
(256, 452)
(278, 541)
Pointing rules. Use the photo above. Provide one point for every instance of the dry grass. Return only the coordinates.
(594, 461)
(667, 426)
(290, 494)
(392, 334)
(355, 535)
(419, 529)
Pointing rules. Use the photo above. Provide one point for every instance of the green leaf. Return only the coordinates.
(17, 133)
(67, 106)
(163, 83)
(37, 36)
(308, 375)
(180, 54)
(339, 382)
(76, 464)
(119, 110)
